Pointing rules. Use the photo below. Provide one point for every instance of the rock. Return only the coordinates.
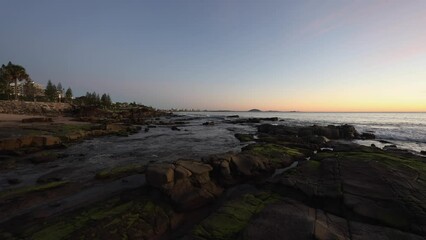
(34, 108)
(54, 176)
(210, 123)
(329, 226)
(315, 139)
(292, 220)
(423, 152)
(174, 128)
(160, 175)
(9, 144)
(295, 220)
(45, 141)
(272, 119)
(26, 141)
(244, 137)
(29, 141)
(368, 136)
(7, 164)
(43, 157)
(233, 116)
(194, 167)
(114, 127)
(330, 132)
(186, 182)
(50, 141)
(182, 173)
(361, 231)
(362, 183)
(230, 219)
(348, 132)
(236, 168)
(14, 181)
(32, 120)
(250, 165)
(277, 129)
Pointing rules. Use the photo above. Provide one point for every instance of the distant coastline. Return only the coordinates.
(259, 111)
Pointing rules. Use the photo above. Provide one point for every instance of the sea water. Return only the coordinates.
(406, 130)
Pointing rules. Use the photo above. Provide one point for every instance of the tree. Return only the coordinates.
(4, 82)
(106, 100)
(51, 92)
(30, 90)
(60, 91)
(68, 95)
(12, 73)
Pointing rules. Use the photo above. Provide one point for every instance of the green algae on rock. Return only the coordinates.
(113, 219)
(30, 189)
(230, 219)
(121, 171)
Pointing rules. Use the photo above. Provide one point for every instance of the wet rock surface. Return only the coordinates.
(203, 183)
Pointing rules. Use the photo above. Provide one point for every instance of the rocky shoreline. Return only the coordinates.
(285, 183)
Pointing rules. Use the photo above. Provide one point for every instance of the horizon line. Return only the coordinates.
(295, 111)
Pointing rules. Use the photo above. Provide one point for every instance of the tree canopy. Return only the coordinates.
(68, 95)
(51, 92)
(12, 73)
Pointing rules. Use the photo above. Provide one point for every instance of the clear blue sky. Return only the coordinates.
(273, 55)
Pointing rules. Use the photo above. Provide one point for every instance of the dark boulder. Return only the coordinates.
(255, 162)
(186, 182)
(14, 181)
(367, 136)
(37, 119)
(330, 132)
(174, 128)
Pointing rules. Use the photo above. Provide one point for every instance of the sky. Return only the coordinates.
(329, 55)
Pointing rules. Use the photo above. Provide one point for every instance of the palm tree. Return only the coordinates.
(15, 73)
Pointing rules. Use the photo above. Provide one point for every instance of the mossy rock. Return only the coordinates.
(277, 154)
(244, 137)
(44, 157)
(114, 219)
(121, 171)
(273, 150)
(30, 189)
(229, 220)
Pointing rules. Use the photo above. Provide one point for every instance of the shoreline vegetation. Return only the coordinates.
(285, 182)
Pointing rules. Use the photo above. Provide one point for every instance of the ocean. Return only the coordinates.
(406, 130)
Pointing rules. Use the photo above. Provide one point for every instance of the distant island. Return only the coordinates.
(254, 110)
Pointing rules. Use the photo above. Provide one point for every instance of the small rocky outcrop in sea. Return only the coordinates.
(209, 123)
(330, 132)
(367, 135)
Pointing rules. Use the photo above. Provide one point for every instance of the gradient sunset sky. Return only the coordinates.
(273, 55)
